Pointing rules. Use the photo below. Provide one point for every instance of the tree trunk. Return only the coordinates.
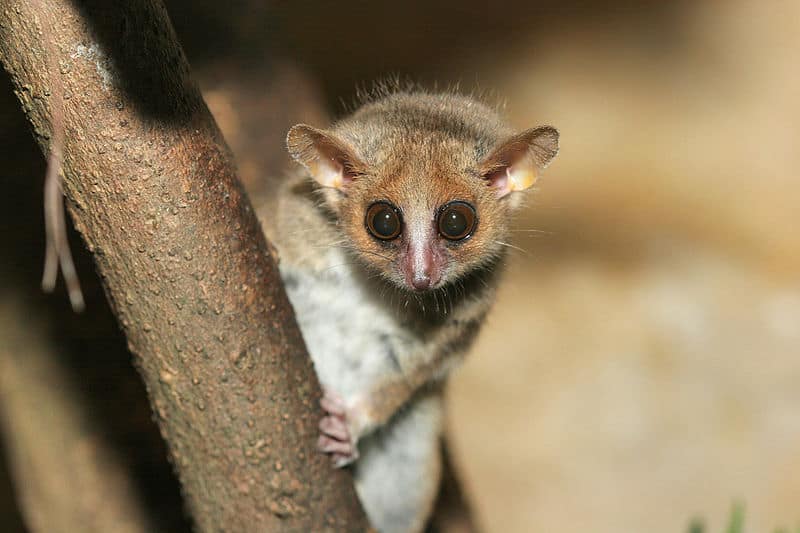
(151, 187)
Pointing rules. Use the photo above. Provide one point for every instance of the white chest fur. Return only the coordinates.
(353, 335)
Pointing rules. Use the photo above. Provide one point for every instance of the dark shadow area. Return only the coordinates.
(140, 58)
(10, 519)
(347, 45)
(350, 44)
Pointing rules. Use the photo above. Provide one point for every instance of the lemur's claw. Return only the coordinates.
(335, 438)
(332, 403)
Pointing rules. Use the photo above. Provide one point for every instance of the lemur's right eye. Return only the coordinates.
(383, 221)
(457, 220)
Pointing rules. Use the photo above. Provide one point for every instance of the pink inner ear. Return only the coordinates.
(498, 180)
(334, 169)
(348, 175)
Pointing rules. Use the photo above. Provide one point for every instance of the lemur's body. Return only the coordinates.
(391, 272)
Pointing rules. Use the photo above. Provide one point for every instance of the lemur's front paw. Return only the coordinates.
(336, 438)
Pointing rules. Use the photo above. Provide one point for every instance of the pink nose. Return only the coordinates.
(419, 267)
(421, 282)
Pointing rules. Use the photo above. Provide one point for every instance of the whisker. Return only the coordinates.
(337, 244)
(540, 231)
(501, 243)
(348, 263)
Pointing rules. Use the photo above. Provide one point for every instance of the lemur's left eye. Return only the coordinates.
(383, 221)
(457, 220)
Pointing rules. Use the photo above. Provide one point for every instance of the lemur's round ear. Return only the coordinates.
(330, 160)
(515, 163)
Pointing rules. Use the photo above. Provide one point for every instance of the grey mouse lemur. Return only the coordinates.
(390, 255)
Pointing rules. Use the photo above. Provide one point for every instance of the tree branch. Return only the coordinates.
(152, 189)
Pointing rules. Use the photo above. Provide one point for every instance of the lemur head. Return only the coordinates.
(423, 185)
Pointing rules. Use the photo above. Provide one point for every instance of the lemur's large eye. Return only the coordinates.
(457, 221)
(383, 221)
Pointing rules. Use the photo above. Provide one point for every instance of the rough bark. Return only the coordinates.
(151, 187)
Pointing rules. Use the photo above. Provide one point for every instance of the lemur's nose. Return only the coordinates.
(419, 266)
(421, 282)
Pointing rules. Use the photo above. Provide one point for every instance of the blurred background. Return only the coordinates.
(641, 366)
